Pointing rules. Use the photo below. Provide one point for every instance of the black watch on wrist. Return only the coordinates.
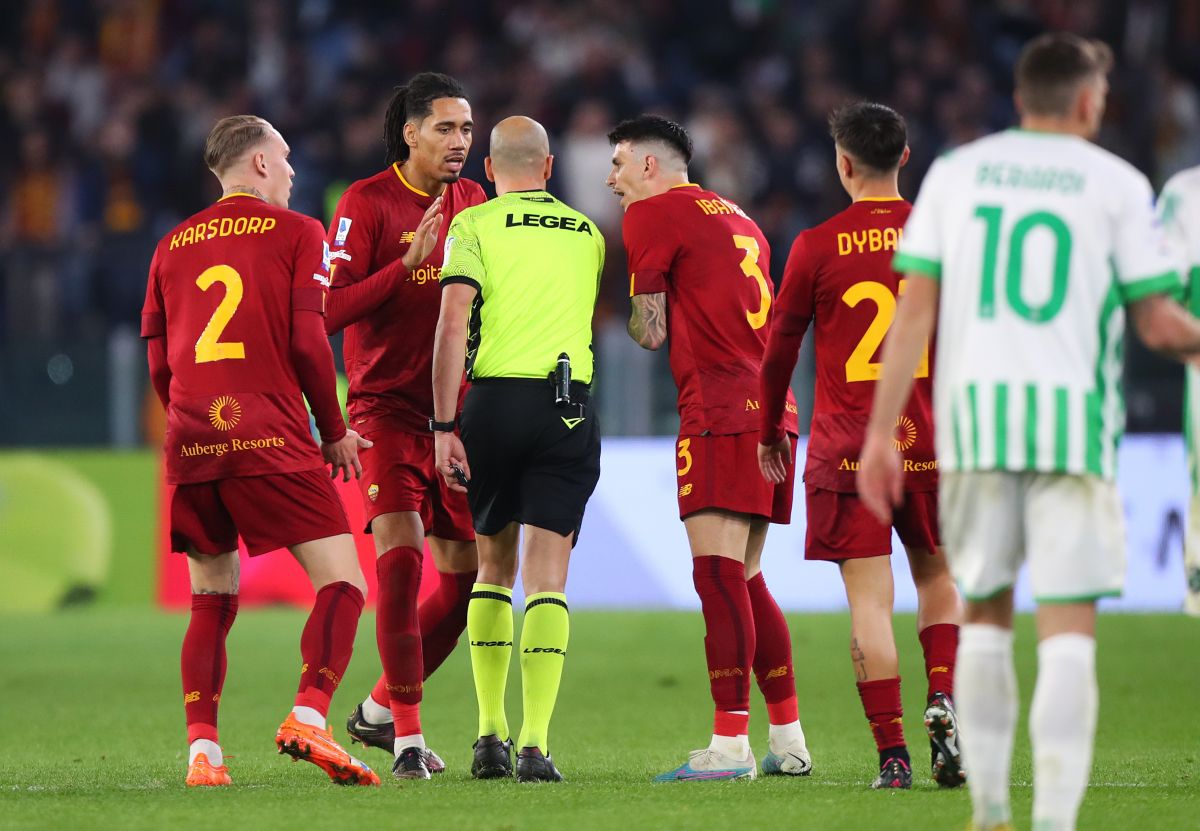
(442, 426)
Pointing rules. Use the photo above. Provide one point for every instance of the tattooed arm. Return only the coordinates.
(648, 321)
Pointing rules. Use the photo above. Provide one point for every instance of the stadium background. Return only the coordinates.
(104, 106)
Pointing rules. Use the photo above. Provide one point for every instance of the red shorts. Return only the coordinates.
(722, 472)
(841, 528)
(269, 512)
(399, 475)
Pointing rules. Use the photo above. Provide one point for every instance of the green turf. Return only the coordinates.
(92, 733)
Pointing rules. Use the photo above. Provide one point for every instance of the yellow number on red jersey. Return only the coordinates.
(209, 346)
(859, 366)
(750, 268)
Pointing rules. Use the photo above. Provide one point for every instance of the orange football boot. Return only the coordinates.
(316, 745)
(202, 774)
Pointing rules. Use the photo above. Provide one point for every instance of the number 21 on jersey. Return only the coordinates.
(859, 366)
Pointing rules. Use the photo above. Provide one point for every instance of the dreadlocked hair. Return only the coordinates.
(414, 102)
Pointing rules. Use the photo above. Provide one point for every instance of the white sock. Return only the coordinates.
(415, 740)
(376, 713)
(1062, 727)
(985, 696)
(210, 749)
(780, 736)
(309, 716)
(736, 746)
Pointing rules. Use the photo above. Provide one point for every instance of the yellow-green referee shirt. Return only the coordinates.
(536, 263)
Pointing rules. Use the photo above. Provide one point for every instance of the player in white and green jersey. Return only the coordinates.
(1179, 211)
(1027, 248)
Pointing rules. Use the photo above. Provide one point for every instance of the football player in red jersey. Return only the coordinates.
(236, 341)
(698, 279)
(839, 278)
(386, 244)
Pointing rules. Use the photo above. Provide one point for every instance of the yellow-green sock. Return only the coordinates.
(543, 649)
(490, 630)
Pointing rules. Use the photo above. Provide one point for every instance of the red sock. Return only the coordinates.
(444, 617)
(940, 643)
(881, 702)
(772, 654)
(398, 633)
(202, 662)
(327, 642)
(729, 638)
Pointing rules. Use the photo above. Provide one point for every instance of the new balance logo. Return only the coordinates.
(572, 423)
(407, 237)
(491, 643)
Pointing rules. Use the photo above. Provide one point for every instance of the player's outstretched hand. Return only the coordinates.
(425, 237)
(880, 477)
(448, 454)
(774, 459)
(342, 455)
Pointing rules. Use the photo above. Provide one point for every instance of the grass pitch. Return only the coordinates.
(92, 734)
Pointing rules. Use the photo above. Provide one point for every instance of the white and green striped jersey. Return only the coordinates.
(1038, 241)
(1179, 211)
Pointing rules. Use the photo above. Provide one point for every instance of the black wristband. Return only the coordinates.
(442, 426)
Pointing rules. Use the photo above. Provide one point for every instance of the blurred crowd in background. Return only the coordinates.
(105, 105)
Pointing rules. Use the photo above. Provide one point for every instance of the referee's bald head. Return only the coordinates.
(519, 145)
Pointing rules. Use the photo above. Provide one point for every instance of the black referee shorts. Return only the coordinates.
(531, 461)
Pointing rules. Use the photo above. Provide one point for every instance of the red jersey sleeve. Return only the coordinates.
(352, 235)
(310, 278)
(310, 352)
(154, 318)
(650, 246)
(793, 313)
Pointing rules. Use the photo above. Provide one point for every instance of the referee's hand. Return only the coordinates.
(448, 453)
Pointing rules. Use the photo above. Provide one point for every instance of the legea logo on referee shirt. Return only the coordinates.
(225, 413)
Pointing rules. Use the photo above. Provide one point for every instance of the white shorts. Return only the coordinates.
(1071, 529)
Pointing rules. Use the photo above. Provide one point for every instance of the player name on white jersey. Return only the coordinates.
(1039, 241)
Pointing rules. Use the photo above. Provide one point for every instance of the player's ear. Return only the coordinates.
(904, 156)
(845, 165)
(549, 168)
(650, 167)
(410, 134)
(259, 161)
(487, 169)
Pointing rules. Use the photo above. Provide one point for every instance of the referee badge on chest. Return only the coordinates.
(373, 492)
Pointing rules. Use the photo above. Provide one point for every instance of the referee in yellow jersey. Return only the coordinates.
(519, 283)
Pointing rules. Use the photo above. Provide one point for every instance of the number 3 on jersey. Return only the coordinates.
(859, 366)
(209, 346)
(750, 268)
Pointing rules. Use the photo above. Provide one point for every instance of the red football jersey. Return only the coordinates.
(839, 276)
(713, 262)
(222, 288)
(389, 353)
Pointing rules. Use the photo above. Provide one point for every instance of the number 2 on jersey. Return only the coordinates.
(750, 268)
(209, 346)
(859, 366)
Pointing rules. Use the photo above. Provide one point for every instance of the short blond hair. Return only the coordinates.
(230, 138)
(1052, 67)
